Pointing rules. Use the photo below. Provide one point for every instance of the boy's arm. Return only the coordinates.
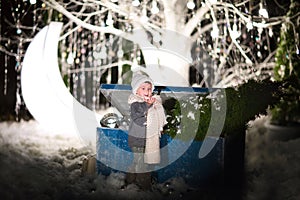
(138, 113)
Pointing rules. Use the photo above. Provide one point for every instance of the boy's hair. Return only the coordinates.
(148, 82)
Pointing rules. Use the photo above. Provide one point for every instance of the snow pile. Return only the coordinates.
(36, 164)
(272, 167)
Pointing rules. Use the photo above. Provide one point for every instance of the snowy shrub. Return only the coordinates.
(244, 103)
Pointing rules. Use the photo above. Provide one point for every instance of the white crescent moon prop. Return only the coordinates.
(45, 94)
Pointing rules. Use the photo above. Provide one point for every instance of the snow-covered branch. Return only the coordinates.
(193, 22)
(233, 38)
(222, 28)
(108, 29)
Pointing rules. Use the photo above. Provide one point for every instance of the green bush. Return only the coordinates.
(244, 103)
(287, 70)
(286, 111)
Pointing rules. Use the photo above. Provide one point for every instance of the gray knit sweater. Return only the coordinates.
(138, 119)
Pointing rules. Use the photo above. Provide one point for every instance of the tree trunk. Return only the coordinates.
(168, 62)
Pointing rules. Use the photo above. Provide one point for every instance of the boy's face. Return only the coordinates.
(145, 90)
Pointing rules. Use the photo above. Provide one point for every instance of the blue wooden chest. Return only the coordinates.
(222, 166)
(114, 155)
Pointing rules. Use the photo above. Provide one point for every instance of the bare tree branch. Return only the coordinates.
(83, 24)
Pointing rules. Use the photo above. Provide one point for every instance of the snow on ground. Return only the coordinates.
(36, 164)
(272, 167)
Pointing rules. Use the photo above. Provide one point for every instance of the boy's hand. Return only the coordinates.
(150, 100)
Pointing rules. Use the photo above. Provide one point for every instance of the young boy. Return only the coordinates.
(147, 119)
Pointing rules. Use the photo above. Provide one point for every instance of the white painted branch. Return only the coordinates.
(169, 15)
(234, 39)
(99, 68)
(74, 29)
(113, 7)
(228, 79)
(244, 18)
(78, 21)
(193, 22)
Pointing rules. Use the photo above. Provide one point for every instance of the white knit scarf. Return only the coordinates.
(156, 119)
